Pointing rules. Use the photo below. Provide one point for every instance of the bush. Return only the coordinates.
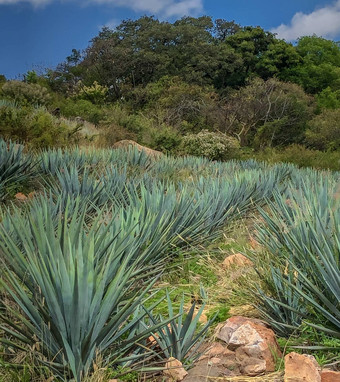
(324, 131)
(82, 108)
(35, 126)
(95, 93)
(166, 140)
(120, 124)
(215, 146)
(26, 94)
(299, 155)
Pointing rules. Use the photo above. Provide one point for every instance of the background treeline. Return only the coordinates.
(195, 86)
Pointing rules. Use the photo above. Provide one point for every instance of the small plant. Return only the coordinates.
(182, 337)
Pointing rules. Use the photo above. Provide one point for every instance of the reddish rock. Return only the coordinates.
(216, 350)
(233, 323)
(330, 376)
(174, 370)
(253, 367)
(126, 143)
(20, 196)
(237, 260)
(301, 368)
(31, 195)
(215, 361)
(255, 344)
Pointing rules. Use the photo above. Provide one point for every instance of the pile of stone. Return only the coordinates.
(248, 347)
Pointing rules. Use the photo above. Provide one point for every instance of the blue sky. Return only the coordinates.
(36, 34)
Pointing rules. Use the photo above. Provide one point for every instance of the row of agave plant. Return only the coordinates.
(300, 230)
(81, 259)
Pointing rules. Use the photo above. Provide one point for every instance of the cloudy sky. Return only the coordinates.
(41, 33)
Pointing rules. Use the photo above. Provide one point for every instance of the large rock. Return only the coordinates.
(301, 368)
(232, 324)
(330, 376)
(126, 143)
(174, 370)
(254, 344)
(217, 361)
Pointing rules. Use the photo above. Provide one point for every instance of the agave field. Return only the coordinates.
(82, 258)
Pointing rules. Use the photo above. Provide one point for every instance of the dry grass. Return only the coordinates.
(274, 377)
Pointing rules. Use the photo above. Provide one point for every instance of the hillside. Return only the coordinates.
(162, 83)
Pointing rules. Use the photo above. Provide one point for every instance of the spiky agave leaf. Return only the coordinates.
(182, 337)
(72, 303)
(15, 166)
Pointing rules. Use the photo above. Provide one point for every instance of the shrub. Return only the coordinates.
(299, 155)
(165, 140)
(324, 131)
(82, 108)
(95, 93)
(35, 126)
(215, 146)
(120, 124)
(26, 93)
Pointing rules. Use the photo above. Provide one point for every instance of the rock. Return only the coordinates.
(126, 143)
(330, 376)
(215, 361)
(31, 195)
(254, 367)
(216, 350)
(207, 370)
(232, 324)
(300, 368)
(254, 343)
(237, 260)
(174, 370)
(20, 196)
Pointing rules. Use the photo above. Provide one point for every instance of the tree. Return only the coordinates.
(267, 113)
(224, 29)
(67, 74)
(142, 51)
(251, 43)
(173, 102)
(31, 77)
(328, 99)
(2, 80)
(277, 60)
(320, 67)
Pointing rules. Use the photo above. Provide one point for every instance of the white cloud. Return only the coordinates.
(163, 8)
(35, 3)
(323, 22)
